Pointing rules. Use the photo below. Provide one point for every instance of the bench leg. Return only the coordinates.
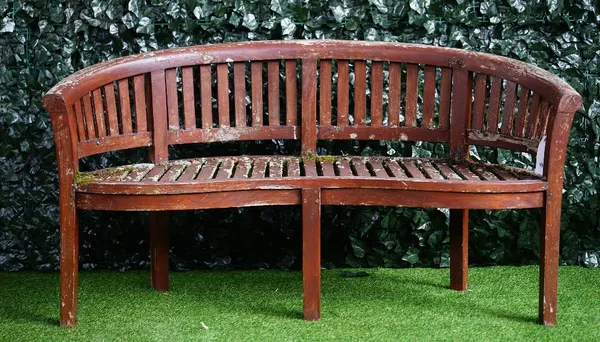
(459, 249)
(69, 262)
(159, 250)
(549, 254)
(311, 253)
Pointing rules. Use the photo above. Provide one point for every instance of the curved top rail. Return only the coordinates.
(545, 83)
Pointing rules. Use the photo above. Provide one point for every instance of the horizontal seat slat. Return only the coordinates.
(156, 173)
(191, 171)
(378, 169)
(343, 167)
(226, 169)
(327, 169)
(276, 168)
(395, 169)
(260, 167)
(277, 172)
(209, 169)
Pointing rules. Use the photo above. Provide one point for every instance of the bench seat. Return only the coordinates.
(284, 172)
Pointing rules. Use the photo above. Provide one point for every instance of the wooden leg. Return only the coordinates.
(159, 250)
(459, 249)
(69, 263)
(311, 253)
(549, 254)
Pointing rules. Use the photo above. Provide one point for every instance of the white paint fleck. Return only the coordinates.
(353, 135)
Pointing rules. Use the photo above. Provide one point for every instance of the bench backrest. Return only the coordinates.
(311, 90)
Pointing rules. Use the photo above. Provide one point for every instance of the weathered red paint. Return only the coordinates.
(86, 113)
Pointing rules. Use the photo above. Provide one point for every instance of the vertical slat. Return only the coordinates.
(273, 92)
(508, 114)
(257, 97)
(141, 119)
(187, 86)
(172, 102)
(342, 93)
(80, 121)
(479, 105)
(99, 113)
(325, 93)
(111, 109)
(360, 93)
(239, 85)
(206, 96)
(543, 120)
(428, 96)
(125, 112)
(522, 112)
(159, 151)
(445, 98)
(494, 111)
(394, 94)
(309, 106)
(148, 97)
(291, 92)
(532, 120)
(377, 94)
(461, 112)
(89, 117)
(223, 94)
(412, 82)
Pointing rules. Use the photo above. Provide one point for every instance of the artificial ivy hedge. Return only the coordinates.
(43, 41)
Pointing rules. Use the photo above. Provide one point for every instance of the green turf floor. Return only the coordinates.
(389, 305)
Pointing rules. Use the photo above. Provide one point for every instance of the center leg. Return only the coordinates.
(311, 253)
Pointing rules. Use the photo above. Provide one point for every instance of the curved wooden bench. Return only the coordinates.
(382, 91)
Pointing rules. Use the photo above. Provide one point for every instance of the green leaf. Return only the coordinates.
(411, 256)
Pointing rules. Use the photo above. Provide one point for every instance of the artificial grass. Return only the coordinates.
(388, 305)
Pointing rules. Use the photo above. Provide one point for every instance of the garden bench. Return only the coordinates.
(310, 91)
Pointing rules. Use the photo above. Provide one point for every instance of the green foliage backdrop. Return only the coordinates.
(42, 41)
